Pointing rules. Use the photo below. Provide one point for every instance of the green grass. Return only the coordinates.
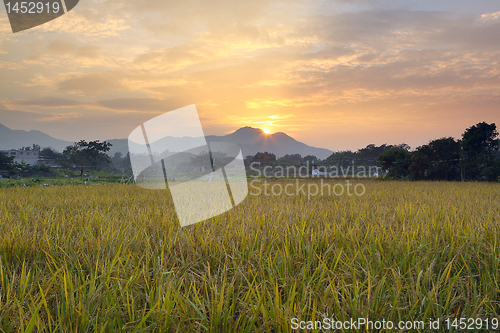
(113, 258)
(51, 181)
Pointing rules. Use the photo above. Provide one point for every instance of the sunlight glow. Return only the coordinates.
(265, 130)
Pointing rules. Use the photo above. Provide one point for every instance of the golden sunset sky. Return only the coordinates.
(332, 74)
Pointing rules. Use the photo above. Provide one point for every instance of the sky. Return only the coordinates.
(336, 74)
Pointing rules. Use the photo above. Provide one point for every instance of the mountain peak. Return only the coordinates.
(281, 134)
(247, 129)
(245, 135)
(253, 140)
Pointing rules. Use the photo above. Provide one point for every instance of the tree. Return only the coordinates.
(290, 159)
(49, 153)
(264, 158)
(446, 159)
(42, 167)
(311, 159)
(34, 147)
(87, 154)
(121, 162)
(438, 160)
(248, 160)
(403, 146)
(479, 145)
(341, 158)
(492, 172)
(421, 163)
(116, 159)
(126, 164)
(22, 167)
(396, 161)
(371, 151)
(7, 163)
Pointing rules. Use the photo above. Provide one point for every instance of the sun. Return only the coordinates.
(265, 130)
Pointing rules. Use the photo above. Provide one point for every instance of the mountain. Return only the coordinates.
(14, 139)
(251, 140)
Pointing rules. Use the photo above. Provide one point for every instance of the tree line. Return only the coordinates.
(473, 157)
(82, 155)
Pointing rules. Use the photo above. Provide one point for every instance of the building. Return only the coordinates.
(28, 156)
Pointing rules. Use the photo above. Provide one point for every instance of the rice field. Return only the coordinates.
(113, 258)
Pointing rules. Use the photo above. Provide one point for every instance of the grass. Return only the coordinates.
(52, 181)
(113, 258)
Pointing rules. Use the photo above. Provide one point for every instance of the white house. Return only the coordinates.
(28, 156)
(316, 172)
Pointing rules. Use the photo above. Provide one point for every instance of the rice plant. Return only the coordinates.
(113, 258)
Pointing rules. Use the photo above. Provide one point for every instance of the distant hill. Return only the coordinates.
(14, 139)
(251, 140)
